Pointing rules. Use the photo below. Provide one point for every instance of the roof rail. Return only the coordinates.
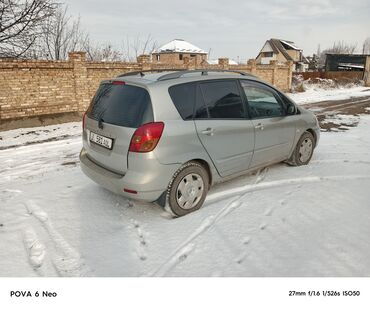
(142, 73)
(175, 75)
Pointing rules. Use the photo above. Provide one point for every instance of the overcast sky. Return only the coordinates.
(234, 28)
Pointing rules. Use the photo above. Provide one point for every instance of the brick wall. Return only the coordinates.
(33, 87)
(367, 71)
(174, 58)
(355, 75)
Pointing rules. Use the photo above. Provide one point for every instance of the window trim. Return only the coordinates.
(267, 87)
(283, 97)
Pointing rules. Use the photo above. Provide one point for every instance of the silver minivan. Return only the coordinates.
(167, 137)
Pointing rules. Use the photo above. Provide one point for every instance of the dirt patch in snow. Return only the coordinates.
(42, 120)
(62, 137)
(340, 115)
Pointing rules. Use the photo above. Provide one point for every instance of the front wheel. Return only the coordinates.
(188, 189)
(303, 151)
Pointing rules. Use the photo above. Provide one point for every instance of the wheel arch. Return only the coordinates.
(313, 133)
(206, 166)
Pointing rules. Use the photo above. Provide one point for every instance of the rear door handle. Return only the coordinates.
(259, 126)
(208, 131)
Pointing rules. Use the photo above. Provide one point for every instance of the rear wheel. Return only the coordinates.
(303, 151)
(188, 189)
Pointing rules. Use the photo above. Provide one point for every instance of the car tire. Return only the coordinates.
(188, 189)
(303, 151)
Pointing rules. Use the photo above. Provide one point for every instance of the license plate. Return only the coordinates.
(101, 140)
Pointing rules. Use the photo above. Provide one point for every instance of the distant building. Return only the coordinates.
(345, 62)
(176, 51)
(282, 51)
(313, 63)
(349, 62)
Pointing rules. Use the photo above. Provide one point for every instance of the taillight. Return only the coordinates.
(118, 83)
(131, 191)
(84, 121)
(146, 137)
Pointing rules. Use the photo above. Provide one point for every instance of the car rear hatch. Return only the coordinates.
(115, 112)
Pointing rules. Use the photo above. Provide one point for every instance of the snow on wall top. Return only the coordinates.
(215, 62)
(180, 46)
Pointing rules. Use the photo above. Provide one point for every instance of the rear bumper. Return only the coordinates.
(150, 179)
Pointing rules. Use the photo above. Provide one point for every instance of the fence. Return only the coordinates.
(34, 88)
(352, 75)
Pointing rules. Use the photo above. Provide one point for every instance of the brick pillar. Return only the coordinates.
(253, 65)
(367, 71)
(82, 98)
(224, 63)
(144, 61)
(274, 78)
(290, 74)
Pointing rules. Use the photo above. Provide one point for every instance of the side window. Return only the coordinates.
(262, 101)
(222, 99)
(183, 96)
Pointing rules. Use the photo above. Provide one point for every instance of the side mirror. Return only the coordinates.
(291, 109)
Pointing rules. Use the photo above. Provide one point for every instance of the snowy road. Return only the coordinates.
(284, 221)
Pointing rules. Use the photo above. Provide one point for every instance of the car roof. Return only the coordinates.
(179, 77)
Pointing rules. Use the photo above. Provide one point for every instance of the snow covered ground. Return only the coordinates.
(283, 221)
(315, 93)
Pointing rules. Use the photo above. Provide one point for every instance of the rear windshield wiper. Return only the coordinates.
(100, 123)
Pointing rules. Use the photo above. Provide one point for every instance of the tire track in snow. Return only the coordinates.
(245, 190)
(261, 175)
(36, 250)
(269, 211)
(334, 161)
(187, 246)
(279, 183)
(67, 260)
(52, 139)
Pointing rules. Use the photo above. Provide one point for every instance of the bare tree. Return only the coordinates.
(99, 52)
(138, 46)
(61, 34)
(366, 46)
(20, 24)
(318, 52)
(339, 47)
(43, 29)
(130, 49)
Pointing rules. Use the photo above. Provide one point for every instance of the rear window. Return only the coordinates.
(122, 105)
(183, 96)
